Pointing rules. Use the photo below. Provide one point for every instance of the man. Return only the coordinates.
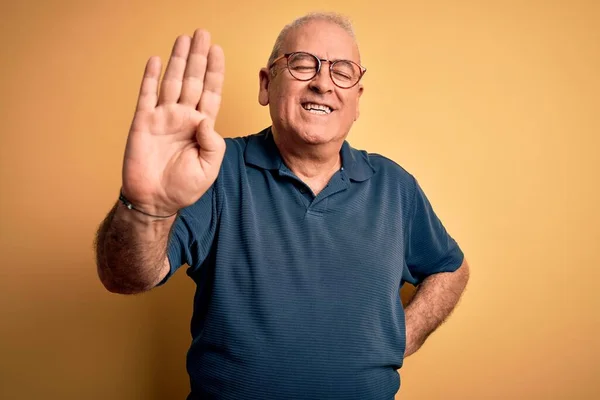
(297, 242)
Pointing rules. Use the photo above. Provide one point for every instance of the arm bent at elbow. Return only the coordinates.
(435, 299)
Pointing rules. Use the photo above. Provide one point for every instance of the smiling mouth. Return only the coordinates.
(318, 109)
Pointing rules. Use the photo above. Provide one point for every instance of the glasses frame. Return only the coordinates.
(320, 61)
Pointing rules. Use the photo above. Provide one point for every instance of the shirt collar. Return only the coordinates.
(262, 152)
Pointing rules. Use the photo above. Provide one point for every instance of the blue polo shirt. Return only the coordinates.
(298, 295)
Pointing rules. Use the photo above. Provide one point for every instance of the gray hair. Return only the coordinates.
(335, 18)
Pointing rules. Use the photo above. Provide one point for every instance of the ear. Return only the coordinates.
(360, 92)
(263, 90)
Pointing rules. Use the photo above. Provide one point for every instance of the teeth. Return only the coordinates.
(316, 107)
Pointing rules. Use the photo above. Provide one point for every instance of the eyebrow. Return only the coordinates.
(322, 58)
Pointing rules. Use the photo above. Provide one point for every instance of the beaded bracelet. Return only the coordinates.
(130, 206)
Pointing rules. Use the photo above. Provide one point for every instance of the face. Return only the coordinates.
(290, 100)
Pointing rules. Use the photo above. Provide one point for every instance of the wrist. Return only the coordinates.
(144, 209)
(414, 331)
(131, 216)
(412, 343)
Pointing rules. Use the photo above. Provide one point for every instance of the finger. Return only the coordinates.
(193, 79)
(171, 84)
(149, 88)
(213, 83)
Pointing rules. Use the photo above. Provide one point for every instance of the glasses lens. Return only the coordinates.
(303, 66)
(345, 73)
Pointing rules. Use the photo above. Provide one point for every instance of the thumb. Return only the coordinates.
(208, 140)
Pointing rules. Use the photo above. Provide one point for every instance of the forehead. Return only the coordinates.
(324, 39)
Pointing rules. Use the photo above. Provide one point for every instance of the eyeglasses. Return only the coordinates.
(305, 66)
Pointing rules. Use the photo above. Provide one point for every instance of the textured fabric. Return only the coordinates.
(298, 296)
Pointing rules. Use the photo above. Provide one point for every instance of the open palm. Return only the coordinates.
(173, 154)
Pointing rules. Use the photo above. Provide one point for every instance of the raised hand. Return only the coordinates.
(173, 154)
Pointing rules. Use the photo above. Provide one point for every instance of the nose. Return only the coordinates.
(322, 82)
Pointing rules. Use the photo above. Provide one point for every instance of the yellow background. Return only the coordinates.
(493, 106)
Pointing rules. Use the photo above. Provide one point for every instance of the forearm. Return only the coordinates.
(131, 250)
(432, 303)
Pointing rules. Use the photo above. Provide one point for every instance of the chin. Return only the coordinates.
(319, 133)
(317, 136)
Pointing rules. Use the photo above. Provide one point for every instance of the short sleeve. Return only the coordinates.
(429, 248)
(192, 234)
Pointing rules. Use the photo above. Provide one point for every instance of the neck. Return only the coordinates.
(313, 164)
